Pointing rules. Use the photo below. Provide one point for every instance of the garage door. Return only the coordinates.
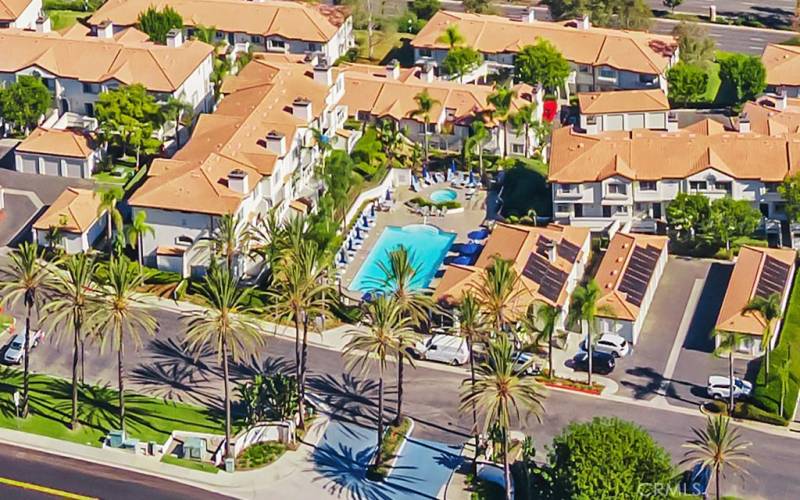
(635, 120)
(613, 122)
(74, 168)
(51, 167)
(656, 120)
(29, 165)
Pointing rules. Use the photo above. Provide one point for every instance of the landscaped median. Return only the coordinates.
(393, 439)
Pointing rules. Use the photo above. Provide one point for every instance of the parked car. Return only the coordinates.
(695, 481)
(521, 359)
(602, 362)
(443, 348)
(612, 344)
(719, 387)
(15, 352)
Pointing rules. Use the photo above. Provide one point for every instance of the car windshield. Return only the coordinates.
(739, 383)
(16, 344)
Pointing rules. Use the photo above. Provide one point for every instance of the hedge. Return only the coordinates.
(423, 202)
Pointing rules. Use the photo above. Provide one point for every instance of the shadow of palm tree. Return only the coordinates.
(201, 358)
(175, 382)
(354, 396)
(270, 365)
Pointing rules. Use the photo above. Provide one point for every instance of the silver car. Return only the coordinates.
(15, 352)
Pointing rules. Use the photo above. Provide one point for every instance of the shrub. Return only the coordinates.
(751, 412)
(271, 397)
(716, 406)
(424, 202)
(260, 454)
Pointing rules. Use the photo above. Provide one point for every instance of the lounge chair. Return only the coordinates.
(439, 177)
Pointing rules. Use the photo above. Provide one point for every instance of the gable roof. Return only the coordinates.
(751, 265)
(75, 211)
(767, 118)
(635, 51)
(289, 20)
(782, 63)
(68, 142)
(257, 101)
(90, 59)
(11, 9)
(655, 155)
(622, 101)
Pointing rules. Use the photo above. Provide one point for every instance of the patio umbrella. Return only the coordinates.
(367, 297)
(365, 221)
(471, 177)
(424, 172)
(453, 165)
(388, 195)
(463, 260)
(479, 234)
(358, 232)
(372, 210)
(470, 249)
(350, 244)
(342, 257)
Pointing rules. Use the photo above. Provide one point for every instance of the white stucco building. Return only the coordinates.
(73, 222)
(624, 110)
(20, 14)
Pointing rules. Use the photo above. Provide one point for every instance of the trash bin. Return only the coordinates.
(229, 465)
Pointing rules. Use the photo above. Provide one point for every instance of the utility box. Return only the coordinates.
(194, 448)
(116, 439)
(229, 465)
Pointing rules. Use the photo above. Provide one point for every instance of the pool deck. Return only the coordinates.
(475, 212)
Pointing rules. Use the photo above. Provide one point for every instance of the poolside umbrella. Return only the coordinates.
(358, 232)
(479, 234)
(342, 258)
(372, 210)
(463, 260)
(365, 221)
(367, 297)
(350, 244)
(471, 177)
(424, 172)
(470, 249)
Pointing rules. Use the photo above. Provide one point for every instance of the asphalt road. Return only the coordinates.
(759, 8)
(31, 470)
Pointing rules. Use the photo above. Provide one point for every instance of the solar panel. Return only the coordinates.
(552, 284)
(535, 268)
(568, 250)
(637, 276)
(773, 277)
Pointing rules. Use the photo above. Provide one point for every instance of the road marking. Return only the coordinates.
(755, 47)
(757, 39)
(43, 489)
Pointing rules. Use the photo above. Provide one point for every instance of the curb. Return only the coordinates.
(402, 447)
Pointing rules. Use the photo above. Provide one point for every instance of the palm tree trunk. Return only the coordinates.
(139, 251)
(766, 358)
(297, 365)
(120, 380)
(108, 225)
(474, 407)
(26, 374)
(83, 351)
(480, 159)
(302, 382)
(380, 418)
(75, 346)
(399, 414)
(716, 479)
(225, 375)
(588, 341)
(549, 354)
(730, 380)
(425, 139)
(506, 468)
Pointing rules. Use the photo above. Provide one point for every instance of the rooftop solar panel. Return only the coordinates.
(535, 268)
(568, 250)
(637, 276)
(773, 277)
(553, 282)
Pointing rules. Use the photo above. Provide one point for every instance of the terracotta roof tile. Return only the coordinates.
(11, 9)
(782, 63)
(622, 101)
(74, 211)
(71, 143)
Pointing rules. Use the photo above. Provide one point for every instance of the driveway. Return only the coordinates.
(18, 213)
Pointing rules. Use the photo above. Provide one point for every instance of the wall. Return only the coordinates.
(376, 192)
(22, 162)
(27, 18)
(168, 225)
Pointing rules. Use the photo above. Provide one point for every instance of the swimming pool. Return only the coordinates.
(427, 246)
(443, 195)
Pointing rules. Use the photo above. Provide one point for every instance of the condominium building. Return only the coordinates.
(623, 110)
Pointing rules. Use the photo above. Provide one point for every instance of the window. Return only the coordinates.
(255, 38)
(518, 149)
(723, 186)
(647, 186)
(363, 116)
(91, 88)
(584, 68)
(220, 34)
(50, 83)
(771, 187)
(578, 209)
(698, 185)
(313, 47)
(608, 73)
(425, 53)
(450, 113)
(621, 209)
(276, 44)
(88, 109)
(644, 78)
(606, 211)
(562, 208)
(617, 189)
(183, 240)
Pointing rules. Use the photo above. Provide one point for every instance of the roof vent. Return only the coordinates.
(238, 181)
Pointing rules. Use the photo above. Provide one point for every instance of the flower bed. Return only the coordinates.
(572, 385)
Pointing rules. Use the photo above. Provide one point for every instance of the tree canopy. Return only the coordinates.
(425, 9)
(730, 219)
(461, 60)
(127, 117)
(24, 102)
(157, 24)
(541, 63)
(686, 211)
(694, 43)
(790, 192)
(687, 83)
(626, 14)
(745, 74)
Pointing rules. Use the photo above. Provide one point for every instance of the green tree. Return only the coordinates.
(179, 112)
(229, 240)
(67, 309)
(225, 326)
(584, 308)
(338, 183)
(424, 110)
(136, 231)
(498, 290)
(502, 100)
(695, 44)
(718, 447)
(391, 138)
(790, 192)
(730, 219)
(686, 212)
(769, 310)
(672, 4)
(122, 314)
(461, 60)
(472, 326)
(451, 36)
(523, 121)
(385, 324)
(478, 6)
(687, 83)
(727, 343)
(127, 117)
(502, 392)
(108, 205)
(24, 102)
(624, 14)
(480, 134)
(540, 321)
(606, 458)
(785, 375)
(563, 9)
(543, 64)
(27, 277)
(745, 74)
(157, 24)
(425, 9)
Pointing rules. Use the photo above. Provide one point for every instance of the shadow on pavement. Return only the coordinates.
(699, 338)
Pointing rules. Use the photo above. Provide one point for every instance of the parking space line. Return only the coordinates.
(683, 330)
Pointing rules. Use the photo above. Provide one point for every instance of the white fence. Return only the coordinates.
(283, 431)
(376, 192)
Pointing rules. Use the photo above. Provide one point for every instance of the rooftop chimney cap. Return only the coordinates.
(744, 118)
(237, 173)
(105, 24)
(301, 101)
(322, 65)
(672, 116)
(274, 134)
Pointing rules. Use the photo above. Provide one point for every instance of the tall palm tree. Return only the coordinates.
(498, 291)
(727, 344)
(300, 295)
(136, 231)
(540, 320)
(122, 314)
(177, 111)
(108, 205)
(472, 326)
(323, 143)
(478, 138)
(785, 375)
(229, 239)
(425, 105)
(397, 278)
(501, 393)
(391, 138)
(501, 99)
(522, 121)
(66, 312)
(26, 278)
(226, 327)
(451, 36)
(386, 324)
(769, 308)
(584, 308)
(718, 446)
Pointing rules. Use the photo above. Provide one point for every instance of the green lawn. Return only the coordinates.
(5, 321)
(61, 19)
(384, 47)
(768, 397)
(525, 187)
(190, 464)
(148, 419)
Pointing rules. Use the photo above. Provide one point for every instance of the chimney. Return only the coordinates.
(311, 58)
(744, 123)
(43, 23)
(584, 23)
(672, 122)
(276, 143)
(427, 73)
(393, 69)
(323, 74)
(175, 38)
(238, 181)
(301, 108)
(551, 252)
(530, 15)
(105, 29)
(782, 101)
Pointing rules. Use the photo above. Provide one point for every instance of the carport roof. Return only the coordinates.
(74, 211)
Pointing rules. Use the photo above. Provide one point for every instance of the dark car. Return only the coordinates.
(602, 362)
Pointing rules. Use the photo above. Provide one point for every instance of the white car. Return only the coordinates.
(443, 348)
(525, 359)
(15, 352)
(612, 344)
(719, 387)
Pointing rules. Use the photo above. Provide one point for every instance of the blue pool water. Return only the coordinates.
(442, 195)
(426, 245)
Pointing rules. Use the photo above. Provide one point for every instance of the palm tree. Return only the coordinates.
(229, 238)
(540, 320)
(299, 295)
(478, 138)
(397, 279)
(769, 308)
(26, 278)
(451, 36)
(727, 344)
(136, 231)
(108, 205)
(322, 142)
(717, 447)
(522, 121)
(501, 99)
(501, 393)
(224, 326)
(584, 308)
(391, 138)
(66, 311)
(176, 110)
(425, 105)
(386, 324)
(497, 291)
(784, 376)
(122, 314)
(472, 327)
